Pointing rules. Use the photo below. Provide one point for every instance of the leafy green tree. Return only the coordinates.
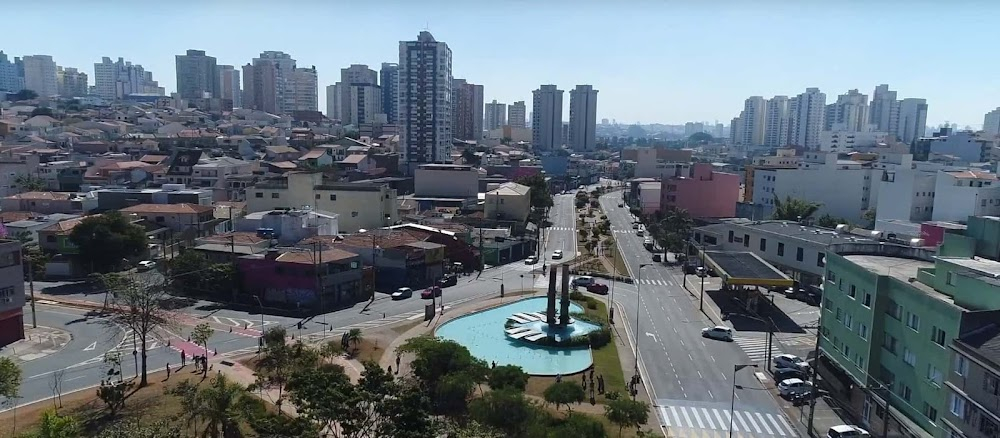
(53, 425)
(219, 406)
(627, 413)
(324, 395)
(469, 157)
(446, 371)
(42, 111)
(129, 428)
(136, 303)
(506, 410)
(10, 378)
(113, 395)
(106, 240)
(539, 194)
(578, 425)
(354, 337)
(508, 377)
(29, 183)
(564, 393)
(192, 272)
(268, 424)
(24, 95)
(279, 360)
(792, 209)
(828, 221)
(200, 336)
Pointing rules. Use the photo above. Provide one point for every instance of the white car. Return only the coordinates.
(847, 431)
(401, 293)
(790, 361)
(531, 260)
(790, 387)
(557, 254)
(582, 280)
(146, 265)
(719, 332)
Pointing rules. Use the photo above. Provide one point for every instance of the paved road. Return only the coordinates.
(690, 378)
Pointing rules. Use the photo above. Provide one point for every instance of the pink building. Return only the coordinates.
(705, 193)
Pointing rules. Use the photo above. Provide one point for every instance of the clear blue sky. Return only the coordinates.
(653, 61)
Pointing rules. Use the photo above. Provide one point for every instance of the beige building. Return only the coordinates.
(507, 201)
(445, 181)
(177, 217)
(359, 205)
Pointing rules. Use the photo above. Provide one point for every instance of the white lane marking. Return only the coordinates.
(664, 415)
(777, 427)
(91, 347)
(764, 423)
(694, 411)
(718, 416)
(687, 418)
(677, 418)
(742, 423)
(708, 417)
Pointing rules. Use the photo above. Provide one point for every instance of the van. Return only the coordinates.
(583, 281)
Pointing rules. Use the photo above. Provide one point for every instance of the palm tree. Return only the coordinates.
(792, 209)
(219, 406)
(354, 337)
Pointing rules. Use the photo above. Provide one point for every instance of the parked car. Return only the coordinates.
(790, 361)
(582, 280)
(635, 226)
(402, 293)
(620, 205)
(531, 260)
(719, 332)
(847, 431)
(790, 387)
(557, 254)
(657, 257)
(145, 265)
(431, 292)
(789, 373)
(701, 271)
(448, 280)
(598, 288)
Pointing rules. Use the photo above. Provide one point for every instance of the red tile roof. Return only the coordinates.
(167, 208)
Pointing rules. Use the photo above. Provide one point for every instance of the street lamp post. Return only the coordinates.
(260, 340)
(732, 405)
(638, 300)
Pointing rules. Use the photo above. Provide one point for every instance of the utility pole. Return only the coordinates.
(232, 249)
(815, 370)
(31, 286)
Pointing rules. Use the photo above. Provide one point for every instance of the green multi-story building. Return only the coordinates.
(889, 317)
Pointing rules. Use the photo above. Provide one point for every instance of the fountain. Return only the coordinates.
(551, 328)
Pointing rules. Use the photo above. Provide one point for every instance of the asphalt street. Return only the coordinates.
(689, 378)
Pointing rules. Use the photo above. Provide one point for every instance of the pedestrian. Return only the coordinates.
(558, 378)
(583, 381)
(591, 373)
(493, 365)
(397, 360)
(168, 370)
(390, 369)
(183, 360)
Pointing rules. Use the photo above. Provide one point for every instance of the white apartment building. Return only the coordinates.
(912, 119)
(496, 115)
(40, 75)
(115, 80)
(807, 112)
(356, 75)
(849, 113)
(753, 121)
(991, 122)
(71, 82)
(776, 120)
(546, 118)
(884, 112)
(359, 205)
(424, 116)
(966, 146)
(304, 90)
(10, 80)
(229, 85)
(843, 188)
(846, 141)
(516, 113)
(334, 101)
(960, 194)
(445, 181)
(583, 118)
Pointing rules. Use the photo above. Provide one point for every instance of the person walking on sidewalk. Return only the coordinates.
(183, 360)
(168, 370)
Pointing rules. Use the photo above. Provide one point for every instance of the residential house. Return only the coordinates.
(11, 292)
(316, 158)
(508, 201)
(356, 162)
(117, 198)
(399, 258)
(358, 205)
(48, 202)
(282, 153)
(289, 226)
(303, 278)
(192, 218)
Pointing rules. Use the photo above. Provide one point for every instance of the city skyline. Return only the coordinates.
(658, 89)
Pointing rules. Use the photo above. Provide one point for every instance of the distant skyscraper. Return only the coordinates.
(735, 128)
(848, 113)
(115, 80)
(991, 122)
(546, 118)
(754, 111)
(776, 121)
(807, 111)
(884, 112)
(197, 74)
(389, 81)
(496, 115)
(267, 83)
(912, 119)
(71, 82)
(358, 81)
(334, 101)
(40, 75)
(10, 80)
(515, 114)
(467, 110)
(425, 101)
(229, 85)
(583, 118)
(303, 89)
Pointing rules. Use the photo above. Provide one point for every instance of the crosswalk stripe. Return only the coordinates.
(687, 419)
(729, 420)
(664, 416)
(764, 423)
(740, 419)
(719, 417)
(677, 418)
(776, 426)
(697, 418)
(708, 418)
(785, 423)
(752, 422)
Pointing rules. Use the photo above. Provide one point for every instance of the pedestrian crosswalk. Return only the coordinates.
(756, 348)
(562, 228)
(653, 282)
(687, 419)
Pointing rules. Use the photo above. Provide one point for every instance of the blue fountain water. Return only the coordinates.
(483, 334)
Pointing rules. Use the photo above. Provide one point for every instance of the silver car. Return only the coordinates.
(719, 332)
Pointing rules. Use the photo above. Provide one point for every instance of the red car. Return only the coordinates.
(598, 288)
(433, 291)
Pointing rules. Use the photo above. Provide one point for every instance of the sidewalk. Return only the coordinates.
(38, 342)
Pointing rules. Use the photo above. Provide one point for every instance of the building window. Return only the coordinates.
(895, 310)
(909, 357)
(852, 291)
(863, 331)
(950, 278)
(913, 321)
(848, 321)
(867, 302)
(827, 304)
(333, 197)
(731, 236)
(763, 244)
(839, 316)
(905, 392)
(930, 412)
(889, 343)
(259, 195)
(987, 427)
(961, 366)
(354, 214)
(821, 259)
(938, 336)
(781, 249)
(317, 196)
(847, 351)
(991, 384)
(274, 195)
(956, 405)
(934, 375)
(831, 277)
(799, 254)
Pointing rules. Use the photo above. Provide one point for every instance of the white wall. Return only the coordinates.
(908, 196)
(840, 193)
(956, 203)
